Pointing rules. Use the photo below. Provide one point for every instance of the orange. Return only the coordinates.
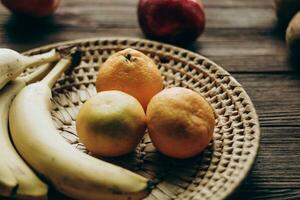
(180, 122)
(111, 123)
(132, 72)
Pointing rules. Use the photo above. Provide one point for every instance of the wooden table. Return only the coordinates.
(242, 36)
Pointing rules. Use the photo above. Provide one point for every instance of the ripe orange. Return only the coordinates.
(180, 122)
(132, 72)
(111, 123)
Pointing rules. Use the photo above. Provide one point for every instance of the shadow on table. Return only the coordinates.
(278, 32)
(53, 194)
(24, 30)
(294, 62)
(186, 43)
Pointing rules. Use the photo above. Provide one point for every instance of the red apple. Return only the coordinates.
(34, 8)
(175, 20)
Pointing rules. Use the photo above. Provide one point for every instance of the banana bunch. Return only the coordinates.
(70, 171)
(16, 178)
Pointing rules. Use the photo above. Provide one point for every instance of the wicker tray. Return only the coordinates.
(216, 172)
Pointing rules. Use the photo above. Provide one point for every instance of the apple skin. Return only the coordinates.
(33, 8)
(171, 20)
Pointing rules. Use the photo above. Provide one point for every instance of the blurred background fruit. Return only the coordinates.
(180, 122)
(33, 8)
(132, 72)
(171, 20)
(293, 34)
(111, 123)
(286, 9)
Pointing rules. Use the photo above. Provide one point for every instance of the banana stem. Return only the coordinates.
(37, 75)
(56, 72)
(40, 59)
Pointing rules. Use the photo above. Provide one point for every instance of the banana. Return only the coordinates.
(16, 178)
(12, 63)
(7, 180)
(72, 172)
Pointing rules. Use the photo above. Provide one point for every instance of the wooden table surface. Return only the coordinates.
(242, 36)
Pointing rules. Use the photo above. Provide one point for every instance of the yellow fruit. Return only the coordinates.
(132, 72)
(180, 122)
(111, 123)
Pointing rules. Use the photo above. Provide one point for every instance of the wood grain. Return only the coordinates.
(240, 35)
(244, 31)
(276, 173)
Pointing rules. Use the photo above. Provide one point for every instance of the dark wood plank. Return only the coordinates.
(276, 173)
(275, 96)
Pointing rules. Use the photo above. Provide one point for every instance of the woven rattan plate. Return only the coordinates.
(216, 172)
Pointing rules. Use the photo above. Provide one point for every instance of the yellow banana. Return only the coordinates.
(12, 63)
(72, 172)
(7, 180)
(16, 178)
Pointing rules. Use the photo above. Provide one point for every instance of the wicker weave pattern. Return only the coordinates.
(220, 168)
